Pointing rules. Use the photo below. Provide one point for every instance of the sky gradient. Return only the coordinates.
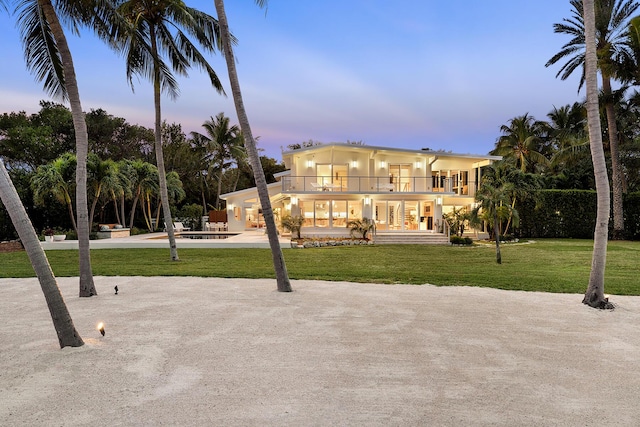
(409, 74)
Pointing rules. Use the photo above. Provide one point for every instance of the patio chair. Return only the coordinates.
(178, 226)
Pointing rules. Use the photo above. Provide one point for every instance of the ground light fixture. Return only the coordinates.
(100, 327)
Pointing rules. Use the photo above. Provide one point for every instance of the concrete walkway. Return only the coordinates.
(247, 239)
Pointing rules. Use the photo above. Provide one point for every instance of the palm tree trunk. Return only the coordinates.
(87, 287)
(70, 209)
(164, 194)
(497, 235)
(62, 322)
(594, 295)
(133, 208)
(116, 209)
(513, 206)
(219, 190)
(282, 277)
(146, 212)
(92, 212)
(616, 168)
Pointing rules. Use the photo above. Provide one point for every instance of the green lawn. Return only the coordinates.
(544, 265)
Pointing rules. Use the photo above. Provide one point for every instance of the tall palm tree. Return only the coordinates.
(522, 143)
(594, 295)
(223, 144)
(163, 27)
(62, 322)
(282, 277)
(611, 26)
(48, 56)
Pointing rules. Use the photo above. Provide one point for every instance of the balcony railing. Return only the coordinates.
(376, 184)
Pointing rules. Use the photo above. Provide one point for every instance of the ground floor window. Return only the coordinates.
(405, 215)
(325, 213)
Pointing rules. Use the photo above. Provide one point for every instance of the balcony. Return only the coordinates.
(376, 184)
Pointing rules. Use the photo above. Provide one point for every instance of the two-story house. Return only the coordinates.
(404, 191)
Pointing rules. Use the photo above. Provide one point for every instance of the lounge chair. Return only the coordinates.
(178, 226)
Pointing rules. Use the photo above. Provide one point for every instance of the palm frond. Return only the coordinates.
(40, 50)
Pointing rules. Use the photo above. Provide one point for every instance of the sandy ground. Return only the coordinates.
(229, 352)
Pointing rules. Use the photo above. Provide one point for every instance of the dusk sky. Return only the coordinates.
(408, 74)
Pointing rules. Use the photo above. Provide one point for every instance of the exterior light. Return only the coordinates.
(294, 200)
(367, 200)
(354, 164)
(309, 163)
(382, 164)
(439, 201)
(418, 164)
(100, 327)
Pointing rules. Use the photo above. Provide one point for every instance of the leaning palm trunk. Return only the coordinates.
(164, 194)
(87, 287)
(62, 322)
(282, 276)
(513, 207)
(594, 295)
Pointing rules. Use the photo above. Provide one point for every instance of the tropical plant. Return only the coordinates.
(457, 219)
(223, 144)
(494, 202)
(143, 180)
(62, 322)
(594, 296)
(362, 226)
(104, 181)
(56, 179)
(165, 27)
(611, 27)
(282, 277)
(292, 223)
(47, 54)
(523, 143)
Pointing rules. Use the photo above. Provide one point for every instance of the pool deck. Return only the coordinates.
(246, 239)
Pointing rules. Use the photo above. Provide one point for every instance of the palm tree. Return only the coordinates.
(103, 180)
(223, 144)
(56, 179)
(594, 295)
(522, 143)
(567, 124)
(144, 181)
(494, 201)
(162, 27)
(611, 26)
(570, 141)
(282, 277)
(48, 56)
(62, 322)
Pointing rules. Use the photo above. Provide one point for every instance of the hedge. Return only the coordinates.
(571, 214)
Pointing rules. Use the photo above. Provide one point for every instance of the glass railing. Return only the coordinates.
(376, 184)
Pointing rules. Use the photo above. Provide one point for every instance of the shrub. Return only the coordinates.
(293, 224)
(457, 240)
(362, 226)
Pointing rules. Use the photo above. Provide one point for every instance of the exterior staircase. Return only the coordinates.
(410, 238)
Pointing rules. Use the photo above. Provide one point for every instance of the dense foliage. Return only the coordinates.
(122, 176)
